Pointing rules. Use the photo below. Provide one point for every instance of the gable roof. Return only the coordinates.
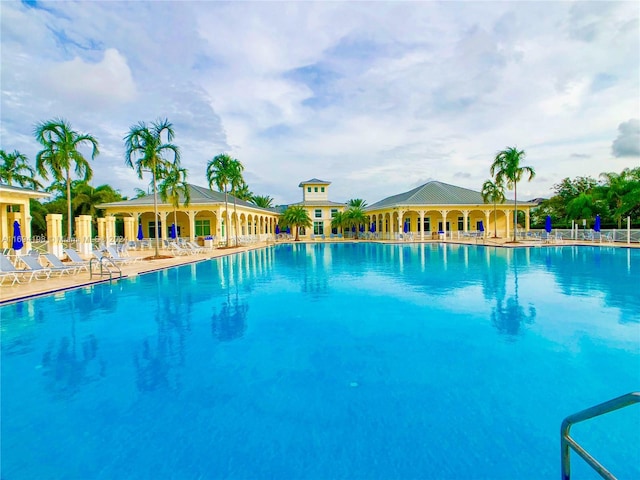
(314, 181)
(198, 196)
(433, 193)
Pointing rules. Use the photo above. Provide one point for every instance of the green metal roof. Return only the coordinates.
(433, 193)
(198, 196)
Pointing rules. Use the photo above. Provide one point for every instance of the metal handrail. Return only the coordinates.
(566, 441)
(101, 261)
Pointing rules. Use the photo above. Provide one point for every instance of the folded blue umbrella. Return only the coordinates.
(17, 236)
(481, 226)
(596, 226)
(547, 224)
(140, 234)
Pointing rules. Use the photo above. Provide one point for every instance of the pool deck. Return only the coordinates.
(22, 291)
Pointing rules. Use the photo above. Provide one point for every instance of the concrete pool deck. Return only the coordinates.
(24, 291)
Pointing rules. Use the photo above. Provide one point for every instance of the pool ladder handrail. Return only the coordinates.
(566, 441)
(110, 263)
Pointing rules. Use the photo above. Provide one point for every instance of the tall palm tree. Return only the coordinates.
(338, 221)
(60, 152)
(15, 168)
(357, 202)
(86, 197)
(262, 201)
(296, 216)
(237, 182)
(354, 217)
(493, 192)
(242, 192)
(145, 147)
(507, 171)
(617, 187)
(218, 174)
(173, 185)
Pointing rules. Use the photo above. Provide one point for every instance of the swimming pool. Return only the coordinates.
(328, 361)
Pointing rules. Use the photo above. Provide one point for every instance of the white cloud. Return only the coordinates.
(627, 144)
(96, 84)
(370, 96)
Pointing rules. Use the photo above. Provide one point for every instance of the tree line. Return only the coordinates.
(149, 150)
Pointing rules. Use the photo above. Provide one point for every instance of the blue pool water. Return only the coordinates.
(356, 361)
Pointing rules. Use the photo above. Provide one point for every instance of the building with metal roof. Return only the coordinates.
(436, 208)
(204, 216)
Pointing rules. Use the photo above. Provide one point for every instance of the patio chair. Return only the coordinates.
(56, 263)
(76, 259)
(178, 250)
(115, 256)
(195, 248)
(33, 264)
(116, 261)
(8, 270)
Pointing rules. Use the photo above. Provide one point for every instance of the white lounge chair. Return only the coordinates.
(76, 259)
(33, 264)
(8, 270)
(56, 263)
(178, 250)
(113, 253)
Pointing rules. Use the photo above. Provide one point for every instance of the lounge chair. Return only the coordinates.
(76, 259)
(7, 267)
(100, 255)
(178, 250)
(8, 270)
(33, 263)
(113, 253)
(56, 263)
(196, 248)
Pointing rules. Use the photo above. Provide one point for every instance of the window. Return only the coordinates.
(322, 189)
(203, 228)
(440, 227)
(427, 224)
(460, 224)
(315, 189)
(152, 229)
(318, 213)
(309, 189)
(318, 228)
(334, 212)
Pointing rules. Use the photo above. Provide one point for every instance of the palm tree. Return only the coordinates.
(338, 220)
(86, 197)
(296, 216)
(354, 217)
(15, 168)
(622, 191)
(262, 201)
(219, 173)
(357, 202)
(144, 146)
(237, 182)
(242, 192)
(174, 184)
(507, 170)
(493, 192)
(60, 151)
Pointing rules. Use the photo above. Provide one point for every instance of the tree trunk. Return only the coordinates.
(226, 214)
(515, 213)
(155, 209)
(495, 220)
(297, 239)
(69, 232)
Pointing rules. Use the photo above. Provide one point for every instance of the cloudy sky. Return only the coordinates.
(375, 97)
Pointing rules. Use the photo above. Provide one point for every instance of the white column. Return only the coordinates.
(54, 233)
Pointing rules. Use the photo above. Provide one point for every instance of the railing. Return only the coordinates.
(109, 263)
(566, 441)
